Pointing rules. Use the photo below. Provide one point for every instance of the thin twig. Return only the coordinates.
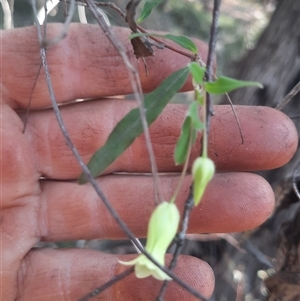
(107, 284)
(138, 93)
(166, 45)
(236, 117)
(30, 99)
(209, 62)
(212, 41)
(113, 6)
(202, 64)
(296, 178)
(288, 97)
(90, 177)
(256, 253)
(217, 236)
(63, 33)
(207, 77)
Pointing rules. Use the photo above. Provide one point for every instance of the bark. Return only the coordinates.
(275, 62)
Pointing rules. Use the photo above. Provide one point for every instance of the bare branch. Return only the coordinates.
(46, 43)
(296, 179)
(209, 62)
(106, 285)
(113, 6)
(288, 97)
(236, 117)
(30, 98)
(138, 93)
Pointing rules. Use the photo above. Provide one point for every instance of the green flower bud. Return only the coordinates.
(203, 170)
(162, 228)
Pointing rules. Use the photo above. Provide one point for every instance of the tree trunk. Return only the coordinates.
(275, 62)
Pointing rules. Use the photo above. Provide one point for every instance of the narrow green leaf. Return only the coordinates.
(197, 72)
(180, 40)
(131, 127)
(183, 42)
(182, 145)
(147, 9)
(194, 114)
(225, 84)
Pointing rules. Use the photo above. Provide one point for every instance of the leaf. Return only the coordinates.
(182, 145)
(225, 84)
(147, 9)
(197, 72)
(189, 129)
(194, 115)
(183, 42)
(180, 40)
(131, 127)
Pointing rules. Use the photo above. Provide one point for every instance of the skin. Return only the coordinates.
(85, 65)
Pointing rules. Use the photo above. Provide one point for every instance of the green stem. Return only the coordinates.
(204, 137)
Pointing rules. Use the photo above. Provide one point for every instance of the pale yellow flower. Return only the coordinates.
(162, 228)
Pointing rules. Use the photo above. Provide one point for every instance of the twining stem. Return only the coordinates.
(107, 284)
(205, 130)
(113, 6)
(138, 93)
(208, 72)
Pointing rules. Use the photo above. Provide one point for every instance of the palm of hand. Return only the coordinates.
(51, 210)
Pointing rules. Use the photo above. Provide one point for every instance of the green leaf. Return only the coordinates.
(131, 127)
(197, 72)
(183, 42)
(188, 135)
(194, 114)
(180, 40)
(225, 84)
(182, 145)
(147, 9)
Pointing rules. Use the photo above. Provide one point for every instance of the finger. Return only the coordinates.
(70, 274)
(270, 138)
(83, 65)
(233, 202)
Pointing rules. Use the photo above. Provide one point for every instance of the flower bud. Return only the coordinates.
(203, 170)
(162, 228)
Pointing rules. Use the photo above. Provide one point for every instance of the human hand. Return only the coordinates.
(85, 65)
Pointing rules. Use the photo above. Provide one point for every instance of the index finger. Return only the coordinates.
(83, 65)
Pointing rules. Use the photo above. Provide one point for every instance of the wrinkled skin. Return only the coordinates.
(85, 65)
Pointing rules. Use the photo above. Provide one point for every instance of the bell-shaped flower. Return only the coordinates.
(203, 170)
(162, 228)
